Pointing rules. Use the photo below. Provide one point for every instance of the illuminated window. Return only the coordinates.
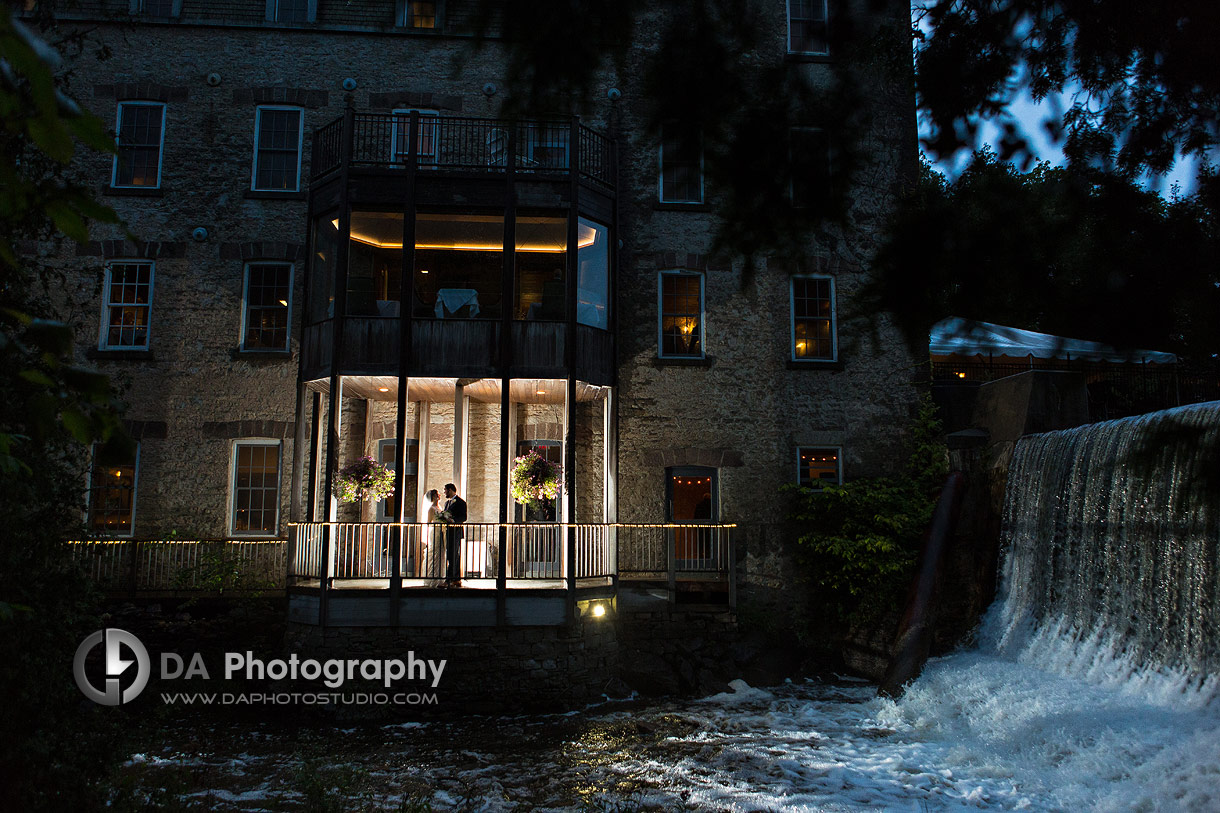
(141, 134)
(813, 319)
(292, 11)
(277, 149)
(126, 306)
(268, 303)
(818, 466)
(681, 158)
(420, 14)
(256, 487)
(808, 27)
(112, 493)
(681, 315)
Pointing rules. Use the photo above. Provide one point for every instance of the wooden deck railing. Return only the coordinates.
(221, 566)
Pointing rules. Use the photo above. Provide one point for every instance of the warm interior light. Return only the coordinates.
(284, 302)
(540, 392)
(586, 236)
(961, 375)
(599, 610)
(423, 270)
(383, 389)
(118, 474)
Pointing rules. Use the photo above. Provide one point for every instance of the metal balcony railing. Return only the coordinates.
(385, 141)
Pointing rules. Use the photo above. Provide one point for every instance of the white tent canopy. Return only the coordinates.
(966, 337)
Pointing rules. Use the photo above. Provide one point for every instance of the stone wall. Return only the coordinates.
(489, 669)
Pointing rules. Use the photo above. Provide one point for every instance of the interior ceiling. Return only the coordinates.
(487, 390)
(468, 232)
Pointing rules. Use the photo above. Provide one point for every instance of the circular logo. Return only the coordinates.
(116, 665)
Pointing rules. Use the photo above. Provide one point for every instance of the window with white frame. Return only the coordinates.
(126, 306)
(680, 314)
(268, 303)
(425, 137)
(809, 159)
(156, 8)
(813, 319)
(256, 488)
(141, 135)
(808, 27)
(419, 14)
(292, 11)
(112, 492)
(818, 466)
(681, 157)
(277, 149)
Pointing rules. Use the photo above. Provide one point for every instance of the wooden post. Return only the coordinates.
(731, 543)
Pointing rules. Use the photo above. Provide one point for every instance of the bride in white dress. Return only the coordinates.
(434, 542)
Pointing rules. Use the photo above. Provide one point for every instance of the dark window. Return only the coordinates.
(138, 161)
(809, 157)
(268, 300)
(681, 315)
(256, 487)
(290, 11)
(127, 306)
(813, 333)
(156, 8)
(552, 451)
(818, 466)
(808, 27)
(112, 493)
(387, 452)
(277, 154)
(681, 166)
(425, 139)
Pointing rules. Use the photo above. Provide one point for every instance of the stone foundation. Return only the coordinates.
(488, 669)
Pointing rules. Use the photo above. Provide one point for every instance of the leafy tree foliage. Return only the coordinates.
(1141, 80)
(1072, 252)
(858, 540)
(53, 753)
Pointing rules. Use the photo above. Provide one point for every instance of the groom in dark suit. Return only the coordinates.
(456, 507)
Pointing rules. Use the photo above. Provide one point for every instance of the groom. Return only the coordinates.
(456, 507)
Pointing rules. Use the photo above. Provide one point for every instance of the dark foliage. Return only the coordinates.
(1072, 252)
(1141, 80)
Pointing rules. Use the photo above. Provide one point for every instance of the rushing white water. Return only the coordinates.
(1093, 688)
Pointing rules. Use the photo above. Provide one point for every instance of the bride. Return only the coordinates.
(434, 544)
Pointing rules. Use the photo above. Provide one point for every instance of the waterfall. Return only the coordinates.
(1111, 538)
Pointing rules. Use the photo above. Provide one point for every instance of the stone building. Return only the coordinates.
(546, 284)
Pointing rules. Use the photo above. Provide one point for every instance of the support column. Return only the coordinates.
(461, 441)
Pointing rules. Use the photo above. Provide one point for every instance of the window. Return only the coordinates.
(808, 27)
(292, 11)
(421, 14)
(813, 319)
(691, 498)
(277, 149)
(126, 306)
(112, 492)
(425, 140)
(818, 466)
(256, 487)
(387, 451)
(681, 166)
(156, 8)
(140, 136)
(546, 146)
(809, 158)
(268, 302)
(681, 315)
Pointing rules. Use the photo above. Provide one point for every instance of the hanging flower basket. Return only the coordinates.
(535, 480)
(366, 479)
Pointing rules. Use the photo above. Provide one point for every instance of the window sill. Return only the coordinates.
(825, 366)
(674, 206)
(134, 192)
(238, 354)
(272, 194)
(120, 355)
(808, 58)
(679, 361)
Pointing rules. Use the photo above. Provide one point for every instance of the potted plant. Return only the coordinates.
(366, 479)
(535, 480)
